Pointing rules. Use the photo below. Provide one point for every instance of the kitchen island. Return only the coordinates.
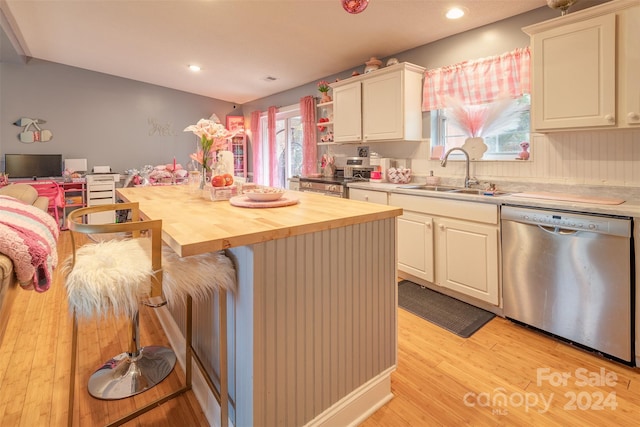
(312, 326)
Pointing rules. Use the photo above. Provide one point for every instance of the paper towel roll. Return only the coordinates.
(386, 163)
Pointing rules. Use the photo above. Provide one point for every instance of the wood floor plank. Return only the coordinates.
(35, 365)
(434, 374)
(435, 371)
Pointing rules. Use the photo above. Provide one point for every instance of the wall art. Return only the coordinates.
(31, 131)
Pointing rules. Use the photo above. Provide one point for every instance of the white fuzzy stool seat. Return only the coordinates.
(109, 277)
(113, 277)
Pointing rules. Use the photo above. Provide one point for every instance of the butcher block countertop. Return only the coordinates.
(193, 225)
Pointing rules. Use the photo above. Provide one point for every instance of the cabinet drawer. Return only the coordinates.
(96, 202)
(100, 194)
(460, 209)
(379, 197)
(102, 186)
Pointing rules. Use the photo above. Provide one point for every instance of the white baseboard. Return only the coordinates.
(359, 404)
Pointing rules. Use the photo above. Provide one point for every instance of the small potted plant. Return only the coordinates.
(323, 87)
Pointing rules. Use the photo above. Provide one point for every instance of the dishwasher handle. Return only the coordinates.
(558, 230)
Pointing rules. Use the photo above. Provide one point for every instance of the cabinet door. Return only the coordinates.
(379, 197)
(467, 258)
(415, 245)
(347, 113)
(382, 108)
(629, 60)
(574, 75)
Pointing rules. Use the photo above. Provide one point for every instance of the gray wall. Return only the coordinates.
(102, 118)
(502, 36)
(492, 39)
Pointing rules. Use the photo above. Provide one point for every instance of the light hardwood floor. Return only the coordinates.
(34, 365)
(441, 380)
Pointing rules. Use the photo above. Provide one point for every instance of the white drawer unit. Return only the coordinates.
(101, 190)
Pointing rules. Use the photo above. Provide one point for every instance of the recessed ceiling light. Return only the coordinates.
(194, 67)
(455, 13)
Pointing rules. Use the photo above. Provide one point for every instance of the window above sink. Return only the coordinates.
(503, 146)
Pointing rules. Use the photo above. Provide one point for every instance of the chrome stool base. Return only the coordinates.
(125, 376)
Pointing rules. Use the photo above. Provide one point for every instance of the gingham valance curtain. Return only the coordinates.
(478, 81)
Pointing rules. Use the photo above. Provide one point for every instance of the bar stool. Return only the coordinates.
(114, 275)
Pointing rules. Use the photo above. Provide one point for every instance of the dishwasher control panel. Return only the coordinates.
(567, 220)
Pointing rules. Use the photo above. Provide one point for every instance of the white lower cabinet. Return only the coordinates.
(372, 196)
(415, 245)
(467, 258)
(450, 243)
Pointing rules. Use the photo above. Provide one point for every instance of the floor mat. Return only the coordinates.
(449, 313)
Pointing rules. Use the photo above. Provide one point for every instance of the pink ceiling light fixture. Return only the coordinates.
(354, 6)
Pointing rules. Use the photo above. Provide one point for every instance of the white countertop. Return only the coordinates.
(630, 207)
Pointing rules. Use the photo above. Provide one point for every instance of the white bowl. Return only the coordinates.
(265, 194)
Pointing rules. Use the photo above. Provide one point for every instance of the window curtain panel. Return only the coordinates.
(273, 150)
(309, 139)
(478, 81)
(256, 144)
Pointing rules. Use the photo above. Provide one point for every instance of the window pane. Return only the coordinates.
(295, 147)
(281, 145)
(507, 143)
(288, 147)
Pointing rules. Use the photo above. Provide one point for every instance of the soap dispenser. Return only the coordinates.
(433, 180)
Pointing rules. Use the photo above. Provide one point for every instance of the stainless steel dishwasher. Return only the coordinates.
(570, 274)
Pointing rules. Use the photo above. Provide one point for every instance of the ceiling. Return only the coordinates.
(238, 43)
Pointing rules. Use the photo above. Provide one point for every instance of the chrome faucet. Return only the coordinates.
(467, 179)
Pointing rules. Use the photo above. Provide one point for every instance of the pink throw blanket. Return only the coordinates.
(29, 236)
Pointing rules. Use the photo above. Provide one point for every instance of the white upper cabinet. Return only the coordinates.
(629, 72)
(347, 113)
(383, 105)
(583, 68)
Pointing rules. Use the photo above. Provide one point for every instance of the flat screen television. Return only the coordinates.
(33, 165)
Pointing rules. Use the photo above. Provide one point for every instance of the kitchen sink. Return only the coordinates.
(458, 190)
(428, 188)
(479, 192)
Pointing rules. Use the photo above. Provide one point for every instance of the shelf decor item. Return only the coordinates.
(235, 124)
(213, 137)
(323, 87)
(355, 6)
(563, 5)
(372, 64)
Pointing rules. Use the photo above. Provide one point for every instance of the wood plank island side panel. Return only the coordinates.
(342, 348)
(197, 225)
